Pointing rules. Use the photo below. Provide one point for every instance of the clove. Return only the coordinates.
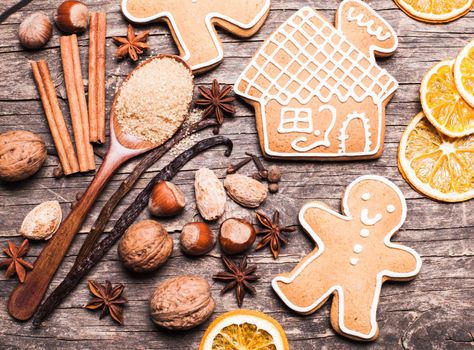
(233, 168)
(262, 171)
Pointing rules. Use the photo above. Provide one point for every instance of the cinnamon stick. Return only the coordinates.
(97, 37)
(77, 101)
(55, 117)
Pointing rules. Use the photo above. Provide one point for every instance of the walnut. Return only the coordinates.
(22, 154)
(145, 246)
(245, 191)
(181, 303)
(210, 194)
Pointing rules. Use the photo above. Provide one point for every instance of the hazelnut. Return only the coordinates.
(22, 154)
(35, 31)
(196, 239)
(274, 174)
(166, 200)
(145, 246)
(72, 17)
(181, 303)
(236, 236)
(273, 188)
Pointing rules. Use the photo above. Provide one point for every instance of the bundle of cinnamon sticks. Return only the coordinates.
(87, 117)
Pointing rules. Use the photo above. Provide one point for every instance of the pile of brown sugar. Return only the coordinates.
(154, 102)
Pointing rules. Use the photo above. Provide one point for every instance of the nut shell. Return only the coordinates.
(22, 154)
(196, 239)
(210, 194)
(245, 191)
(236, 236)
(166, 200)
(145, 246)
(72, 17)
(181, 303)
(35, 31)
(43, 221)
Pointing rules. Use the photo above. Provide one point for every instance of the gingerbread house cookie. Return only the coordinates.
(192, 24)
(317, 89)
(353, 258)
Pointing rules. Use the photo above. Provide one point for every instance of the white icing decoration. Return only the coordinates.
(354, 261)
(343, 137)
(338, 288)
(325, 142)
(369, 221)
(390, 208)
(257, 84)
(358, 248)
(296, 120)
(210, 27)
(369, 25)
(364, 233)
(366, 196)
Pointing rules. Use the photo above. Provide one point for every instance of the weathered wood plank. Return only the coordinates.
(433, 311)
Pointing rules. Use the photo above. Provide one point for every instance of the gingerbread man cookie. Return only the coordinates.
(192, 24)
(317, 89)
(353, 258)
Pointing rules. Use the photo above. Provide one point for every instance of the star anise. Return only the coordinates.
(216, 101)
(238, 276)
(15, 263)
(133, 45)
(108, 298)
(274, 234)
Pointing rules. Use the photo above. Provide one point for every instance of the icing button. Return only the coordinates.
(354, 261)
(364, 233)
(390, 208)
(358, 249)
(366, 196)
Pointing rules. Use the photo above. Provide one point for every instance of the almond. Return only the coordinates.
(43, 221)
(245, 191)
(210, 194)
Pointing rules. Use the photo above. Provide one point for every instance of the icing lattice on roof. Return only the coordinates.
(308, 57)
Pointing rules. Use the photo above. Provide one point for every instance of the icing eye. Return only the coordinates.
(390, 208)
(366, 196)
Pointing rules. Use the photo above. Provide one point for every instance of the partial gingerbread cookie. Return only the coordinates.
(317, 90)
(353, 258)
(439, 11)
(192, 24)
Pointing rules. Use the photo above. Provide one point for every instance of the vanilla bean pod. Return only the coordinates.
(151, 158)
(128, 217)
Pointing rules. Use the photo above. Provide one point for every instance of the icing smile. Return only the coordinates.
(368, 221)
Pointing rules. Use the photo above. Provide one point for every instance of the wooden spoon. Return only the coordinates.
(27, 297)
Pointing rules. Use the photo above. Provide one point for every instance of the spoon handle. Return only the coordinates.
(27, 296)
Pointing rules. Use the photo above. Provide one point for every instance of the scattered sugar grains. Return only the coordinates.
(155, 100)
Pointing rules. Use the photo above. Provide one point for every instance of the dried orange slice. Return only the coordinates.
(244, 330)
(435, 11)
(443, 105)
(435, 165)
(464, 73)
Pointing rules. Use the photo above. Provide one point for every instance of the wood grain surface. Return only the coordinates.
(432, 312)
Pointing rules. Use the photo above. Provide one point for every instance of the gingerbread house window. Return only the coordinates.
(296, 120)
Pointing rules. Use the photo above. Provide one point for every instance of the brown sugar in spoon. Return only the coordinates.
(27, 296)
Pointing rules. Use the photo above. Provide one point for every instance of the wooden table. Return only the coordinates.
(432, 312)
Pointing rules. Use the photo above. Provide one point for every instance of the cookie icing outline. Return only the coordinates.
(337, 288)
(371, 57)
(210, 27)
(359, 19)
